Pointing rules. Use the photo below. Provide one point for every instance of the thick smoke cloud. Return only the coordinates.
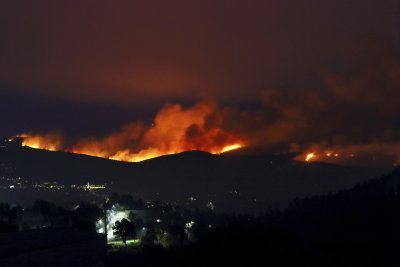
(353, 115)
(355, 112)
(325, 74)
(138, 52)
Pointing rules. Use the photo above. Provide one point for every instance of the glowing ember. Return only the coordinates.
(136, 157)
(228, 148)
(310, 156)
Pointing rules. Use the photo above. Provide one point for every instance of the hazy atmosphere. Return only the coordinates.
(278, 73)
(171, 123)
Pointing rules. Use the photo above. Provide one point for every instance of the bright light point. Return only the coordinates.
(189, 225)
(310, 156)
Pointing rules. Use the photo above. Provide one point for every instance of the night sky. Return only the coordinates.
(291, 73)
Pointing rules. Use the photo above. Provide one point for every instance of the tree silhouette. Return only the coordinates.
(123, 229)
(86, 216)
(136, 220)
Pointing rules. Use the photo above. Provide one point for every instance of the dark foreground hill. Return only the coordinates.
(357, 227)
(227, 182)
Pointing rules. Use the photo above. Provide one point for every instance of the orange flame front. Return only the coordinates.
(50, 141)
(174, 130)
(310, 156)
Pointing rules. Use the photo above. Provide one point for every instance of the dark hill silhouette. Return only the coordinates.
(230, 181)
(356, 227)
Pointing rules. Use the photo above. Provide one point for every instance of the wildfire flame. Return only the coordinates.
(229, 148)
(353, 155)
(310, 156)
(50, 142)
(322, 156)
(174, 130)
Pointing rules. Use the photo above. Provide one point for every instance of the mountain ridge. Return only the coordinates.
(230, 181)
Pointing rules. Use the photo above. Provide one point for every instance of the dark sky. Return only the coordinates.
(135, 51)
(90, 66)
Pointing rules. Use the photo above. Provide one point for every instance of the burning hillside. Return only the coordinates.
(175, 129)
(375, 154)
(319, 124)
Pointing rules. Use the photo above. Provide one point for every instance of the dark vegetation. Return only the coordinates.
(233, 183)
(354, 227)
(124, 229)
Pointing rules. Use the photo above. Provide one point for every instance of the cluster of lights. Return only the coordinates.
(49, 186)
(7, 182)
(88, 187)
(189, 225)
(191, 199)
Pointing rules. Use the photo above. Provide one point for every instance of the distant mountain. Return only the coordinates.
(228, 182)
